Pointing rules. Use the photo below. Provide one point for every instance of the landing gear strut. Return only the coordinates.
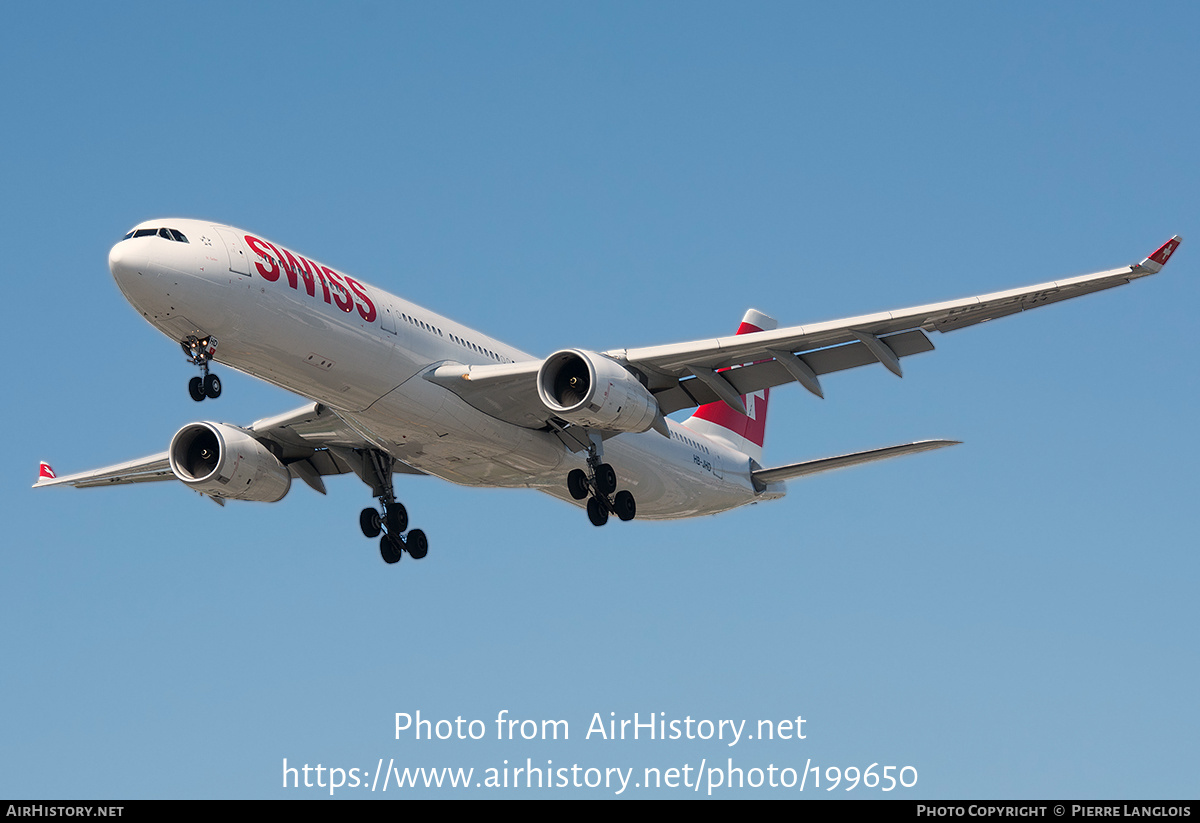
(600, 481)
(199, 351)
(377, 473)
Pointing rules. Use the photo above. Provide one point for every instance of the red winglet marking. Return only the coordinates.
(1165, 251)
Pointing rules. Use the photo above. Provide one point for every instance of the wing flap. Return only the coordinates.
(770, 373)
(309, 427)
(315, 441)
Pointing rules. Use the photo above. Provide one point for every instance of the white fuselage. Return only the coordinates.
(361, 352)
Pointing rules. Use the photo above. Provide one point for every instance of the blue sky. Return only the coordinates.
(1014, 617)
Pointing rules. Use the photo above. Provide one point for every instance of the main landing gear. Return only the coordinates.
(394, 520)
(199, 351)
(600, 481)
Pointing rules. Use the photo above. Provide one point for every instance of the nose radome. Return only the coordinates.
(116, 259)
(126, 261)
(123, 260)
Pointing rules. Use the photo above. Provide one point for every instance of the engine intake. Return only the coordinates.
(225, 461)
(589, 389)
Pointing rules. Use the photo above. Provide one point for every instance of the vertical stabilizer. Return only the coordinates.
(742, 431)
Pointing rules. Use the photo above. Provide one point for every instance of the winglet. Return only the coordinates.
(1154, 263)
(45, 473)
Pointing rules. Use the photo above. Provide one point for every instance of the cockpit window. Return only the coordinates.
(166, 234)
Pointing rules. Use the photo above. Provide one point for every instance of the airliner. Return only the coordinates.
(394, 388)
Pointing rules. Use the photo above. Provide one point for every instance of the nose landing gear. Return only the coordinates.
(199, 351)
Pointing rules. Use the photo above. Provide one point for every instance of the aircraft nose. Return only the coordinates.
(116, 258)
(127, 260)
(121, 262)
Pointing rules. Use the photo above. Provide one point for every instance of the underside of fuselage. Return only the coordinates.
(290, 333)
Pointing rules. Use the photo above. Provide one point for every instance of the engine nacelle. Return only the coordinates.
(590, 390)
(225, 461)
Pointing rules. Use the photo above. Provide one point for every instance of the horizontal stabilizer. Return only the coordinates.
(764, 476)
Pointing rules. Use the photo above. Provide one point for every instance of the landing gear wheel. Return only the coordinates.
(369, 522)
(597, 512)
(396, 518)
(625, 505)
(577, 484)
(606, 479)
(196, 389)
(418, 545)
(393, 520)
(212, 386)
(390, 547)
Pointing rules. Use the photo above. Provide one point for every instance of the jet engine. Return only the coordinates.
(591, 390)
(225, 461)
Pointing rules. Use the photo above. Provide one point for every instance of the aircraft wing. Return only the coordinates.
(311, 441)
(147, 469)
(685, 375)
(802, 353)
